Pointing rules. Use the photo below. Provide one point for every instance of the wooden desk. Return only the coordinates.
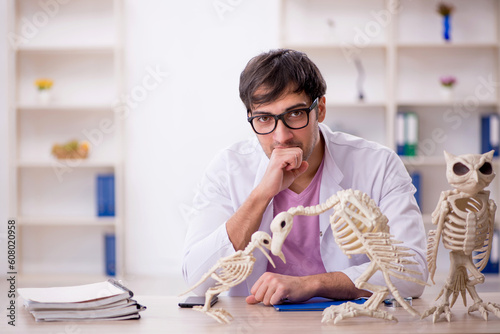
(164, 316)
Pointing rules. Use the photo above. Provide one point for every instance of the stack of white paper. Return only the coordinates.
(107, 300)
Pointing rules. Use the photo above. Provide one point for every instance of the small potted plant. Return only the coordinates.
(445, 10)
(44, 86)
(447, 84)
(73, 149)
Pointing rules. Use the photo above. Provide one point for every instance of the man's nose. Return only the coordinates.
(282, 133)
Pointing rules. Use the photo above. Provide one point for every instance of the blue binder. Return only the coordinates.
(490, 133)
(106, 195)
(415, 179)
(400, 133)
(314, 304)
(110, 254)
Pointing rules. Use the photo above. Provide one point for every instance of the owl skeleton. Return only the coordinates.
(358, 227)
(465, 222)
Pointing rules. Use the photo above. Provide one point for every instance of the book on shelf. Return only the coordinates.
(108, 300)
(406, 133)
(110, 254)
(106, 195)
(415, 179)
(490, 133)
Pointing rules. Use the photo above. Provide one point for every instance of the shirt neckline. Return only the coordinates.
(310, 187)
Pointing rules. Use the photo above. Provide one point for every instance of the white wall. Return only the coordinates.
(4, 138)
(192, 113)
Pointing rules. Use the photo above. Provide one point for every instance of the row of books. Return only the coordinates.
(108, 300)
(407, 133)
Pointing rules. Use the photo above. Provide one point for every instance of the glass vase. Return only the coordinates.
(44, 96)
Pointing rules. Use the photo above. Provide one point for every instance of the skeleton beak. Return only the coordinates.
(282, 257)
(277, 244)
(475, 176)
(267, 255)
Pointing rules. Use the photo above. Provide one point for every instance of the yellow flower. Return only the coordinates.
(43, 83)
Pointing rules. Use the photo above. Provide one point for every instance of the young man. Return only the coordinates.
(294, 160)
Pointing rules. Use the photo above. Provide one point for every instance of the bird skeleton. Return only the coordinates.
(359, 227)
(465, 219)
(230, 271)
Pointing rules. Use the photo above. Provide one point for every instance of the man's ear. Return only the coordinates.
(321, 109)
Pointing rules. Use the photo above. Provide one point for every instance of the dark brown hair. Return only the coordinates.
(280, 72)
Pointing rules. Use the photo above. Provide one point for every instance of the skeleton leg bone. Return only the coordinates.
(479, 305)
(456, 283)
(446, 291)
(369, 308)
(218, 314)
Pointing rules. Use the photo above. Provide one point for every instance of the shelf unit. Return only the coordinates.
(401, 50)
(78, 44)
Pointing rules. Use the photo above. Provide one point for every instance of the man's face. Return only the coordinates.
(283, 137)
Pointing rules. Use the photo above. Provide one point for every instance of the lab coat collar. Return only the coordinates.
(331, 179)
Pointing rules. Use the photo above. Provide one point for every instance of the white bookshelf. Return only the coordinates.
(403, 54)
(77, 44)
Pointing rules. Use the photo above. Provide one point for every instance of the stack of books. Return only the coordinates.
(108, 300)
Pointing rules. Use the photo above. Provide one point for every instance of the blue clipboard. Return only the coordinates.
(314, 304)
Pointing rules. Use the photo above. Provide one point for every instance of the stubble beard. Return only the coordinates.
(306, 153)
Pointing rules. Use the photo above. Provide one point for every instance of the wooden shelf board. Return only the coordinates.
(356, 105)
(70, 163)
(332, 46)
(438, 103)
(66, 48)
(420, 161)
(423, 45)
(68, 221)
(64, 107)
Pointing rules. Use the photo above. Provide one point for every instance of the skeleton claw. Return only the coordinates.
(351, 310)
(436, 312)
(483, 308)
(222, 316)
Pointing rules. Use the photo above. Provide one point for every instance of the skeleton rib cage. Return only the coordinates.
(359, 227)
(458, 234)
(229, 271)
(234, 271)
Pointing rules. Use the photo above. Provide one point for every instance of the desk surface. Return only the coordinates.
(163, 315)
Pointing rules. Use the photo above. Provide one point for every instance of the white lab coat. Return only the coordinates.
(350, 163)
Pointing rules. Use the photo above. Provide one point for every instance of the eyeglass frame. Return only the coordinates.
(281, 117)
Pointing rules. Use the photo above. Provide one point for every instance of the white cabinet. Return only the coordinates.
(401, 49)
(77, 44)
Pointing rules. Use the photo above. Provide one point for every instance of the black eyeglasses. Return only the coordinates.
(293, 119)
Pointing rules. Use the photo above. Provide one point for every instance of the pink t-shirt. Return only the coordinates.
(301, 247)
